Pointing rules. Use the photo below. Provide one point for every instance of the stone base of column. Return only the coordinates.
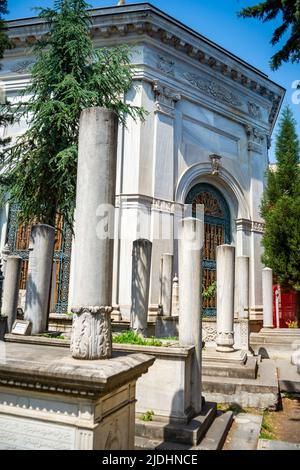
(91, 333)
(225, 342)
(245, 336)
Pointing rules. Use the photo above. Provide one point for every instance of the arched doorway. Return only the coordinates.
(217, 232)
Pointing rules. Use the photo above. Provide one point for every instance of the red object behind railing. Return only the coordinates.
(287, 306)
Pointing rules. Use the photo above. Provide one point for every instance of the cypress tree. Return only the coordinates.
(281, 208)
(68, 75)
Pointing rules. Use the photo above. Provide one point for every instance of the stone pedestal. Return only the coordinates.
(41, 247)
(191, 237)
(225, 298)
(11, 289)
(166, 284)
(141, 268)
(50, 401)
(94, 234)
(267, 286)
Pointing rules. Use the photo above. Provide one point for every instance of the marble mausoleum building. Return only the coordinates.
(205, 140)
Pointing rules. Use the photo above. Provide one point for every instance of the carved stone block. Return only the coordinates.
(91, 333)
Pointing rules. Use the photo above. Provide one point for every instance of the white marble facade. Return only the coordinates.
(201, 100)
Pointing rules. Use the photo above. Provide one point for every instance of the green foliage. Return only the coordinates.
(130, 337)
(289, 12)
(148, 416)
(281, 207)
(3, 36)
(210, 291)
(267, 431)
(68, 76)
(5, 118)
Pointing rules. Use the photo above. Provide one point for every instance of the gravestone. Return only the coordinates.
(11, 289)
(191, 239)
(225, 298)
(94, 233)
(41, 248)
(140, 284)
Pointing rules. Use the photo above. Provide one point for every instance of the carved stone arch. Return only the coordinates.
(224, 182)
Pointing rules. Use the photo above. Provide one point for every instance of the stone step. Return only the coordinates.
(262, 392)
(217, 433)
(218, 369)
(265, 444)
(244, 433)
(288, 376)
(212, 440)
(189, 434)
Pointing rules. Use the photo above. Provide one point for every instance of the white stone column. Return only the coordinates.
(140, 283)
(94, 233)
(267, 288)
(191, 238)
(175, 297)
(41, 248)
(225, 298)
(11, 289)
(166, 284)
(4, 255)
(242, 296)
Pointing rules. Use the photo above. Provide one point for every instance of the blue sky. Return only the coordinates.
(216, 19)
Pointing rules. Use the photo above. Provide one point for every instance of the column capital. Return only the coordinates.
(256, 139)
(165, 98)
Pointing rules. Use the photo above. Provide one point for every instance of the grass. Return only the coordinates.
(232, 407)
(148, 416)
(130, 337)
(267, 432)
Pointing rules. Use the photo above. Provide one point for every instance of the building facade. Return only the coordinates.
(205, 140)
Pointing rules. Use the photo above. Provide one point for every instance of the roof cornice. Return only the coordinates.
(144, 19)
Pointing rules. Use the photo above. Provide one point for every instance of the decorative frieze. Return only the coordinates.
(258, 227)
(214, 90)
(23, 66)
(246, 225)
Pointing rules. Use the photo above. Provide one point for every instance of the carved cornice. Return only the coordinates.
(246, 225)
(144, 19)
(258, 227)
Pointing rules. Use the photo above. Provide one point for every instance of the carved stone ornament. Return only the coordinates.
(213, 89)
(254, 110)
(166, 65)
(209, 333)
(91, 333)
(215, 161)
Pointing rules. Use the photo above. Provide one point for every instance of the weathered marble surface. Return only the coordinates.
(50, 401)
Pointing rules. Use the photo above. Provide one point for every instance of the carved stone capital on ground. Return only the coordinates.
(91, 333)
